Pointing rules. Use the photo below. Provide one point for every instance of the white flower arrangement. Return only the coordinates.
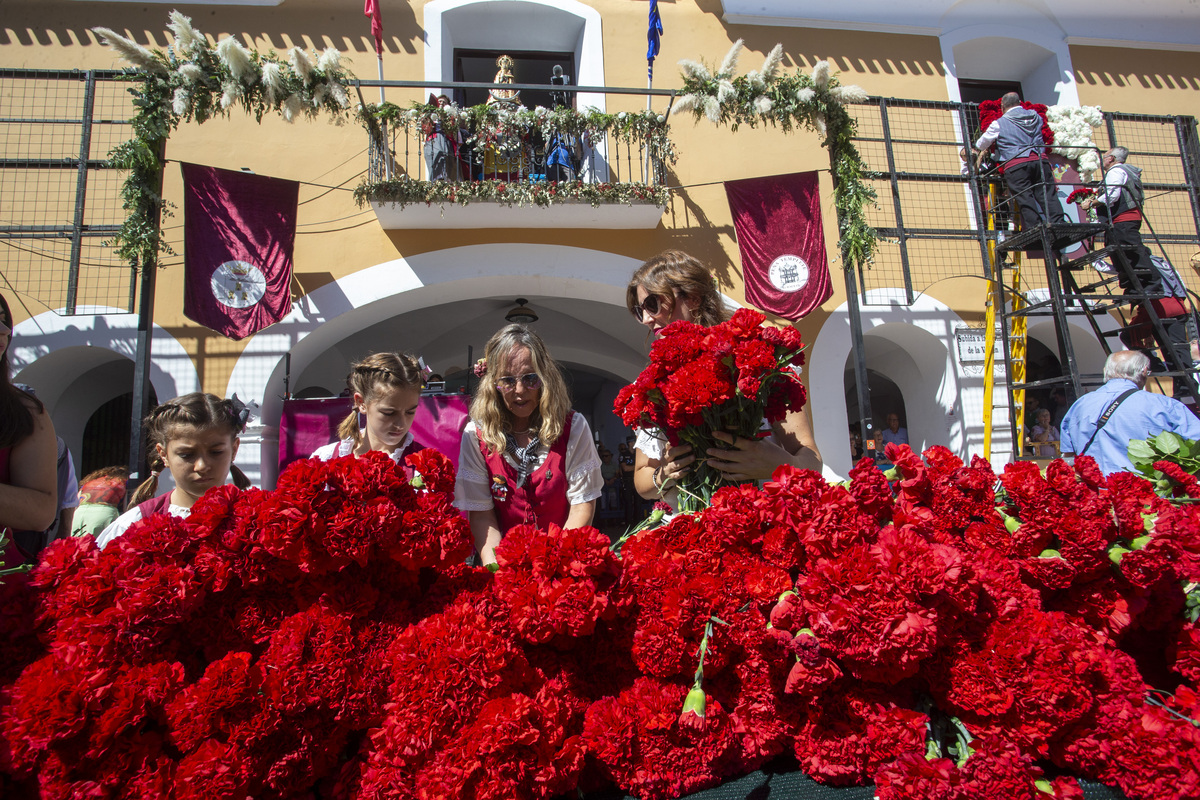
(1073, 126)
(188, 40)
(130, 50)
(301, 64)
(237, 60)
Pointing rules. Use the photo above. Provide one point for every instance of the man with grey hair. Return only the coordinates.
(1120, 202)
(1024, 162)
(1101, 424)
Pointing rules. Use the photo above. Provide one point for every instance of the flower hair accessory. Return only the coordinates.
(480, 368)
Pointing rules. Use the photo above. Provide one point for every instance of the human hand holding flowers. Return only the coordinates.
(746, 458)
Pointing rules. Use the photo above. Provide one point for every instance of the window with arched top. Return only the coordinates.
(462, 34)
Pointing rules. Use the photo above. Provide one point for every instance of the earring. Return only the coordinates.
(362, 419)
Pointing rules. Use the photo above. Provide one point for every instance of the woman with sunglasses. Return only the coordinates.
(671, 287)
(28, 456)
(526, 457)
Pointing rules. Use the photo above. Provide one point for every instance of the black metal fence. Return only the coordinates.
(930, 209)
(59, 201)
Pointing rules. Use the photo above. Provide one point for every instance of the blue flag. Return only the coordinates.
(654, 32)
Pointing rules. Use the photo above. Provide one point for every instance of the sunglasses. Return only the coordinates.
(651, 305)
(530, 380)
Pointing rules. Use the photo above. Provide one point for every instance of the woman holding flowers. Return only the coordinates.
(672, 287)
(526, 457)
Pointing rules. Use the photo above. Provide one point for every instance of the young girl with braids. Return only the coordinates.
(195, 437)
(386, 388)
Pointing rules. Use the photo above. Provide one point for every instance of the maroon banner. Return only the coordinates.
(308, 424)
(239, 230)
(779, 234)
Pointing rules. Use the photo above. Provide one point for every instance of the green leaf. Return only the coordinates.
(1141, 449)
(1168, 442)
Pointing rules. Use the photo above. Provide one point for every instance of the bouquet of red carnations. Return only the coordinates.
(731, 377)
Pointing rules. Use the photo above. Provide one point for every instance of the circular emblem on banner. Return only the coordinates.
(238, 284)
(788, 273)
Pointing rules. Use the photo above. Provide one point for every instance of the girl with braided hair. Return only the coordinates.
(386, 388)
(195, 437)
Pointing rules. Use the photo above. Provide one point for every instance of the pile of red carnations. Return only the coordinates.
(990, 111)
(936, 635)
(728, 377)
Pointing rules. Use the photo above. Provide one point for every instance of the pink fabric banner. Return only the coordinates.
(371, 9)
(308, 424)
(239, 230)
(778, 224)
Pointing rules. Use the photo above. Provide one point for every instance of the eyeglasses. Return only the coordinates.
(650, 305)
(530, 380)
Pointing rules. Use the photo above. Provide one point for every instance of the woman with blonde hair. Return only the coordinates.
(386, 391)
(526, 457)
(671, 287)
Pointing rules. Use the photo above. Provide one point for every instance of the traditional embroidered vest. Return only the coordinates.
(543, 498)
(155, 505)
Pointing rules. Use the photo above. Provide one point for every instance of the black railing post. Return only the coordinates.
(85, 149)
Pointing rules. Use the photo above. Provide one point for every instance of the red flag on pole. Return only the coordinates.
(371, 9)
(778, 224)
(239, 230)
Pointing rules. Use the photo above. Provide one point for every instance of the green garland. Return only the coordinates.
(504, 130)
(405, 192)
(816, 102)
(497, 126)
(194, 81)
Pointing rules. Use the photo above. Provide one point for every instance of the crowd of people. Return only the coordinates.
(525, 457)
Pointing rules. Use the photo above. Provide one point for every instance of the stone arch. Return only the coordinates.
(912, 346)
(78, 363)
(579, 293)
(1030, 49)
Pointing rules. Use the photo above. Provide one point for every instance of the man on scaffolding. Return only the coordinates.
(1024, 163)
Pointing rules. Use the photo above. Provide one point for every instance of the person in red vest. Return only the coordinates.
(195, 437)
(526, 457)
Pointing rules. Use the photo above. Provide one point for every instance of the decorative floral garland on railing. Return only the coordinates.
(405, 192)
(505, 131)
(815, 101)
(195, 81)
(498, 126)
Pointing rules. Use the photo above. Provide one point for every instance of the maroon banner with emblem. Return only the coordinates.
(239, 230)
(782, 242)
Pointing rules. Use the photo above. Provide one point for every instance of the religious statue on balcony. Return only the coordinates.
(504, 75)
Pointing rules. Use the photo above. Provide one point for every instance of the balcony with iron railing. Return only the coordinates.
(502, 165)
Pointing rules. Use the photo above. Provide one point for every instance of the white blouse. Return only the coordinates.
(124, 522)
(328, 452)
(473, 487)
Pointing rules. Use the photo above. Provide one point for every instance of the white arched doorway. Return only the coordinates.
(911, 346)
(79, 363)
(435, 305)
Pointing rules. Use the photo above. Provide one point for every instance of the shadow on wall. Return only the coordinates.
(1123, 68)
(862, 53)
(348, 32)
